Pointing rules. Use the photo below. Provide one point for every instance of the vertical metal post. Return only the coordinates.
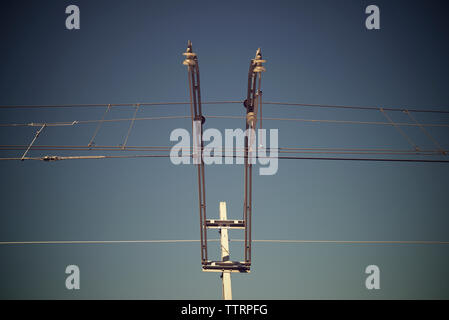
(191, 62)
(252, 104)
(225, 254)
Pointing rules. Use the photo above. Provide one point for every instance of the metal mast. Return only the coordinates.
(253, 104)
(198, 120)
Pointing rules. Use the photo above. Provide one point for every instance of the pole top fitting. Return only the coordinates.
(257, 61)
(190, 55)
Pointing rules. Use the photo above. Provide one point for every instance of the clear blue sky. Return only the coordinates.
(130, 52)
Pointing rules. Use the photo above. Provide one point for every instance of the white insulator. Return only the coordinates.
(251, 119)
(188, 62)
(259, 69)
(189, 54)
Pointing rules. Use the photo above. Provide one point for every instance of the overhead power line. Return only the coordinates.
(95, 242)
(289, 150)
(76, 122)
(348, 242)
(97, 105)
(407, 124)
(58, 158)
(279, 103)
(403, 109)
(100, 121)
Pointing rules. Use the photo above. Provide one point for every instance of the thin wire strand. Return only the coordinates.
(407, 124)
(32, 142)
(354, 107)
(131, 148)
(94, 105)
(131, 126)
(224, 102)
(353, 241)
(98, 126)
(76, 122)
(56, 158)
(400, 130)
(279, 150)
(94, 242)
(378, 242)
(435, 142)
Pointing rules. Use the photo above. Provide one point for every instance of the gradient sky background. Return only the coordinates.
(316, 52)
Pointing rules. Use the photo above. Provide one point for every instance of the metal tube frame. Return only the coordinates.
(196, 109)
(252, 103)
